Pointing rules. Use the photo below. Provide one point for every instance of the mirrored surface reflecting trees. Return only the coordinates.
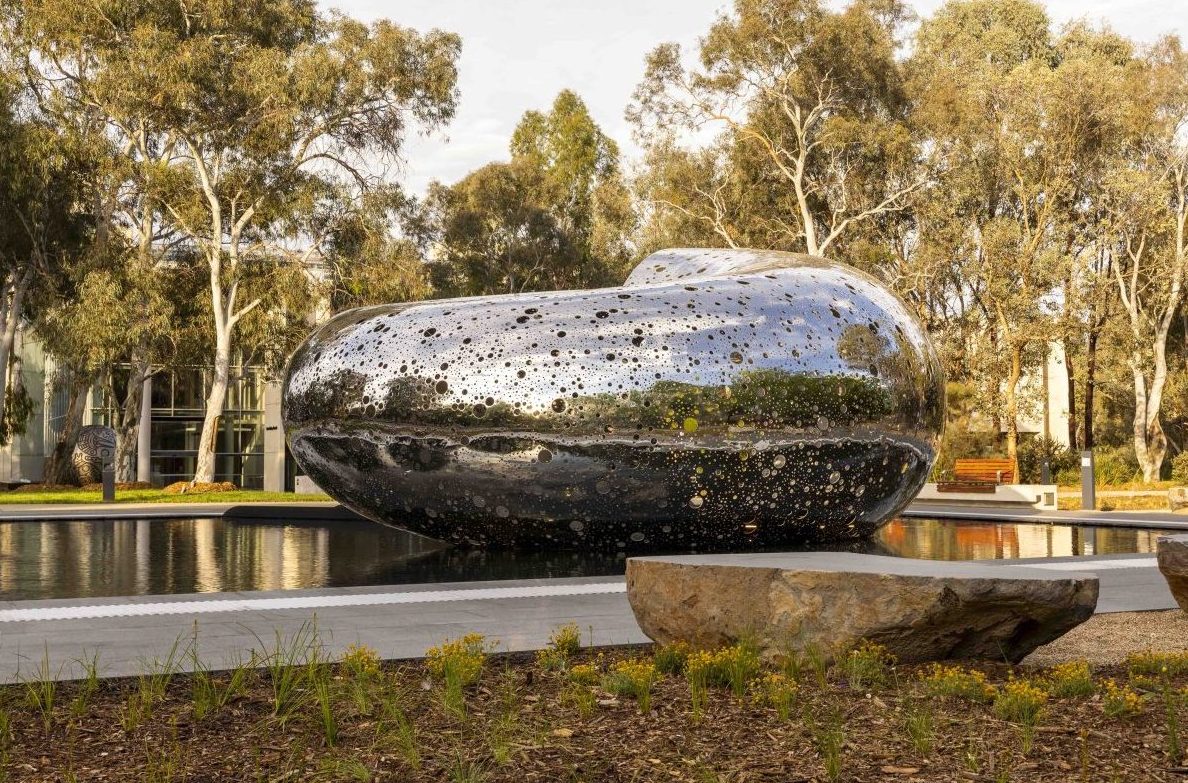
(719, 399)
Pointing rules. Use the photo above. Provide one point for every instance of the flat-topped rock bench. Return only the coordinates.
(1173, 563)
(919, 609)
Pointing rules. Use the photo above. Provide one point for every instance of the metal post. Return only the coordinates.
(108, 481)
(1088, 485)
(107, 472)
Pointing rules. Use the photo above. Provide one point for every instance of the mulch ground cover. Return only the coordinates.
(537, 720)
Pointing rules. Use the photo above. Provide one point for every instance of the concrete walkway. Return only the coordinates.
(399, 622)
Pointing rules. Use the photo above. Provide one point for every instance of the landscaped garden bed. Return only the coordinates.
(569, 714)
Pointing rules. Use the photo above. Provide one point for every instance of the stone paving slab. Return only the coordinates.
(406, 630)
(1123, 587)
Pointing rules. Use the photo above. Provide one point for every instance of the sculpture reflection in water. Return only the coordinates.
(719, 399)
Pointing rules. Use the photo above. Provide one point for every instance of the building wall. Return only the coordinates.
(250, 447)
(23, 457)
(1043, 395)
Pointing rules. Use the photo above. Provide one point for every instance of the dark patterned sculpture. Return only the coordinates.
(719, 399)
(96, 445)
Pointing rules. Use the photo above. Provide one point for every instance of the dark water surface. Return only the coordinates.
(72, 559)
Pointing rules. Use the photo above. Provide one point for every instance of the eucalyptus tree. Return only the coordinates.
(492, 234)
(366, 263)
(46, 231)
(238, 115)
(1018, 116)
(583, 188)
(1147, 200)
(807, 111)
(556, 216)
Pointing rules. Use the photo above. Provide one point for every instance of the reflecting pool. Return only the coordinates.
(70, 559)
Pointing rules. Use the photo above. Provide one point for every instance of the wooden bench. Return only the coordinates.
(979, 475)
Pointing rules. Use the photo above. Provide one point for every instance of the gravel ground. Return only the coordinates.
(1109, 638)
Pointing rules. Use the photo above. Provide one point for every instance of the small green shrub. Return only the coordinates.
(1172, 702)
(957, 682)
(733, 667)
(830, 738)
(1179, 468)
(671, 658)
(550, 660)
(458, 660)
(867, 664)
(634, 679)
(457, 663)
(1032, 453)
(1074, 678)
(1115, 464)
(701, 670)
(1021, 702)
(740, 664)
(585, 674)
(920, 725)
(324, 699)
(361, 661)
(566, 640)
(581, 697)
(1154, 663)
(1120, 701)
(775, 691)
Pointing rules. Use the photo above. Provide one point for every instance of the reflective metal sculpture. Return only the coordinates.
(719, 399)
(96, 445)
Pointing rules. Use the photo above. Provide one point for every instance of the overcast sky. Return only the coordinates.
(518, 54)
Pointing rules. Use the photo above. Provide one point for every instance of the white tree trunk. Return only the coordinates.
(1150, 441)
(144, 440)
(128, 426)
(11, 310)
(205, 470)
(1011, 397)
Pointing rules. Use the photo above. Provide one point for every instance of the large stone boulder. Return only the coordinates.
(919, 609)
(1173, 562)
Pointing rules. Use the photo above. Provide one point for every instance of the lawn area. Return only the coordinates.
(1154, 497)
(1129, 486)
(1117, 503)
(154, 496)
(617, 715)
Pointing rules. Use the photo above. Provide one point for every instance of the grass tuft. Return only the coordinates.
(1070, 680)
(868, 664)
(457, 663)
(958, 683)
(634, 679)
(41, 691)
(671, 658)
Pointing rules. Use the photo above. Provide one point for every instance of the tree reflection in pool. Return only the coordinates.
(71, 559)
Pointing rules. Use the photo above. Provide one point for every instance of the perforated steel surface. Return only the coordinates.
(720, 398)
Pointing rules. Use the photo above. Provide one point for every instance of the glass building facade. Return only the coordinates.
(177, 410)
